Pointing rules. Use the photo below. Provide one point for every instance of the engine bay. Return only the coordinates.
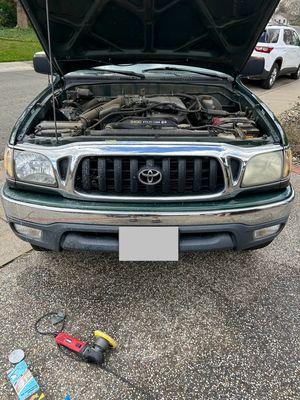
(84, 112)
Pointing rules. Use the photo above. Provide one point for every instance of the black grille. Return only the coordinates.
(119, 176)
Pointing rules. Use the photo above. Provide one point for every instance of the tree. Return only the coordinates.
(8, 13)
(282, 9)
(22, 20)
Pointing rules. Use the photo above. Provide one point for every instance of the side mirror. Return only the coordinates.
(254, 67)
(41, 63)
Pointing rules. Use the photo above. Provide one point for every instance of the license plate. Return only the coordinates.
(148, 243)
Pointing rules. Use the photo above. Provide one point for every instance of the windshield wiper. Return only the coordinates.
(126, 73)
(182, 70)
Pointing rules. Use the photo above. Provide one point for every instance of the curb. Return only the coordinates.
(17, 40)
(15, 66)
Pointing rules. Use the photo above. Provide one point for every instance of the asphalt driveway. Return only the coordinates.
(213, 326)
(19, 85)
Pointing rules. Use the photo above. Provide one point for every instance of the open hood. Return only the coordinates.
(215, 34)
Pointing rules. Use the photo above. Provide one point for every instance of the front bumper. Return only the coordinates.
(70, 224)
(256, 69)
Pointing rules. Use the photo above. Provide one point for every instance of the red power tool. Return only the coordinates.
(89, 353)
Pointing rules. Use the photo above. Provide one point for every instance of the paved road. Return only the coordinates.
(211, 327)
(20, 84)
(284, 94)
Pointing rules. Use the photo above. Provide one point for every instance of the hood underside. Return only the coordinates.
(214, 34)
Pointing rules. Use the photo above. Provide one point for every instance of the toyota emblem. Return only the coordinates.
(150, 176)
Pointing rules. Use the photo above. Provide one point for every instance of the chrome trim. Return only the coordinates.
(76, 151)
(45, 215)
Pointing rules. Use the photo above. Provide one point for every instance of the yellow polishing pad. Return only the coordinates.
(105, 336)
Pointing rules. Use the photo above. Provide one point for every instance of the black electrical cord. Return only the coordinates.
(127, 382)
(50, 333)
(105, 368)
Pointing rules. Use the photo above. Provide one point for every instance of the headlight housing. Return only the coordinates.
(33, 168)
(263, 168)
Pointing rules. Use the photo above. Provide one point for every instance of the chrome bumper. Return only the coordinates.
(46, 215)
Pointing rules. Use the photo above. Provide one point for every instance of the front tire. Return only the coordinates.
(296, 75)
(268, 83)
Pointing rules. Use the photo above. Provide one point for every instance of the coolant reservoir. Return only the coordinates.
(208, 103)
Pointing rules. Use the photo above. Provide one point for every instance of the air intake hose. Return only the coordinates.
(100, 111)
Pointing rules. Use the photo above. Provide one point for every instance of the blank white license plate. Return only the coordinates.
(148, 243)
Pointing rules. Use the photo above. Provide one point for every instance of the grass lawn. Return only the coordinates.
(18, 44)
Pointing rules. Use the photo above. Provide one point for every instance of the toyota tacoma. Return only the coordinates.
(147, 142)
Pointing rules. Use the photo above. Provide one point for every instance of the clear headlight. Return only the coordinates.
(264, 168)
(33, 168)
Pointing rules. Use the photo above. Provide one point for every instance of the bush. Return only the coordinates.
(296, 21)
(8, 13)
(290, 121)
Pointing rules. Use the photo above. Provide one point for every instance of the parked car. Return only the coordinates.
(279, 47)
(149, 144)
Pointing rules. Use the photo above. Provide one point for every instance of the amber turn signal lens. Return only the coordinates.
(9, 162)
(287, 163)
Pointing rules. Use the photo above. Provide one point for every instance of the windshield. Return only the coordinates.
(270, 36)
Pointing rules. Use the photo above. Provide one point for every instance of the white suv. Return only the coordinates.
(279, 47)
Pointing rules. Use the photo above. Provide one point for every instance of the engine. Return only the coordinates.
(83, 114)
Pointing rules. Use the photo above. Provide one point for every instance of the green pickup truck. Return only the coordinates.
(147, 143)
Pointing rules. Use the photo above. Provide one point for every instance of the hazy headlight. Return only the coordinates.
(263, 168)
(33, 168)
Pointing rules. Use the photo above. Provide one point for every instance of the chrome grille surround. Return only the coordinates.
(75, 152)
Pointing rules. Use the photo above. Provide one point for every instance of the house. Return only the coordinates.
(279, 19)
